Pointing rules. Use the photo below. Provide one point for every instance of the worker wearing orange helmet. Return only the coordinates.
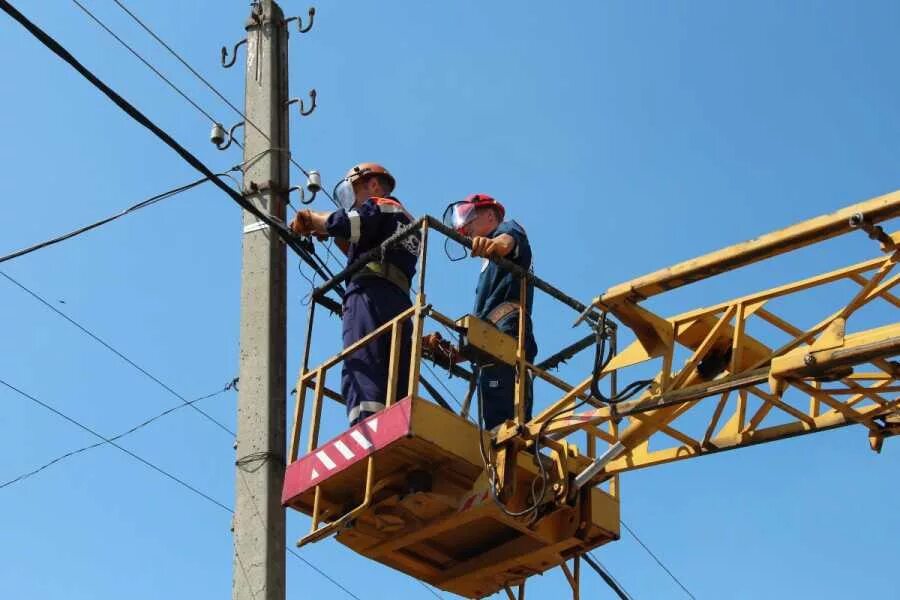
(379, 292)
(497, 296)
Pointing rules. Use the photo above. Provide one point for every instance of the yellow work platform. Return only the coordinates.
(405, 488)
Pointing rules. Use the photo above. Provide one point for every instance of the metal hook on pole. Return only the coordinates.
(225, 62)
(300, 27)
(303, 110)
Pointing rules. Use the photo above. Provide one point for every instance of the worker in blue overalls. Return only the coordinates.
(375, 295)
(497, 297)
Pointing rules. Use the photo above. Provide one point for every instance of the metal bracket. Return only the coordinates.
(225, 62)
(875, 232)
(303, 110)
(254, 189)
(300, 27)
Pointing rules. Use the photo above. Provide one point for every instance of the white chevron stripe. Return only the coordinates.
(360, 439)
(326, 460)
(343, 449)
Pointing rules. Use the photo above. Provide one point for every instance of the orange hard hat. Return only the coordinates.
(365, 169)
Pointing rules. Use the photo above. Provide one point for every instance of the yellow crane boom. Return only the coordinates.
(427, 491)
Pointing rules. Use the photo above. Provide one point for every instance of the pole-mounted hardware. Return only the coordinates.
(304, 112)
(300, 27)
(220, 138)
(230, 63)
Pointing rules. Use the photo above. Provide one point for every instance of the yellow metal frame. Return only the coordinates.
(759, 394)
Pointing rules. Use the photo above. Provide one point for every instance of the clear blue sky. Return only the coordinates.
(623, 136)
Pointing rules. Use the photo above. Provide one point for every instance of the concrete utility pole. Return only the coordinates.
(259, 528)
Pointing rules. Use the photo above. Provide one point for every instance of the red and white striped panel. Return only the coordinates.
(475, 498)
(350, 447)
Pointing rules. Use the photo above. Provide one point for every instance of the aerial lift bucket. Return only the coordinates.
(405, 487)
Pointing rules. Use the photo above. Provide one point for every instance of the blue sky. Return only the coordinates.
(624, 137)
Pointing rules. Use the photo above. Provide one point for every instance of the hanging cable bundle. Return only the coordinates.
(602, 358)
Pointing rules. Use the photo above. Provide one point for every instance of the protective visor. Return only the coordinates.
(459, 214)
(344, 194)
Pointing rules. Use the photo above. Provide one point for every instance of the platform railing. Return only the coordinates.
(312, 378)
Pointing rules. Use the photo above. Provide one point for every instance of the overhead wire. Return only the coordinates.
(139, 426)
(112, 443)
(658, 561)
(49, 42)
(115, 351)
(161, 471)
(137, 55)
(210, 86)
(607, 577)
(81, 230)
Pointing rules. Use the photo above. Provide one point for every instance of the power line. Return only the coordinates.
(134, 208)
(211, 87)
(49, 42)
(62, 457)
(109, 441)
(161, 471)
(321, 572)
(658, 561)
(428, 587)
(145, 61)
(606, 576)
(196, 74)
(442, 384)
(115, 351)
(142, 119)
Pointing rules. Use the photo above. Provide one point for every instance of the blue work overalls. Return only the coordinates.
(497, 288)
(373, 298)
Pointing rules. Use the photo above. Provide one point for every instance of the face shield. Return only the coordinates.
(344, 194)
(459, 214)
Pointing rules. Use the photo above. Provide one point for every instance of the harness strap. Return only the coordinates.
(385, 270)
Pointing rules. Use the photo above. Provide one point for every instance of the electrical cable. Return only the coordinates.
(62, 457)
(543, 477)
(196, 74)
(443, 385)
(165, 473)
(49, 42)
(145, 61)
(112, 349)
(107, 440)
(658, 561)
(600, 363)
(606, 576)
(133, 208)
(212, 88)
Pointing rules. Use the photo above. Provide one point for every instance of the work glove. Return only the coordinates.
(441, 351)
(302, 223)
(485, 247)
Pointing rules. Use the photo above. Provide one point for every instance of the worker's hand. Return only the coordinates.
(485, 247)
(302, 223)
(432, 341)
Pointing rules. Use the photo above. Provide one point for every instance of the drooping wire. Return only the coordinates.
(196, 74)
(163, 472)
(107, 440)
(213, 89)
(115, 351)
(442, 384)
(141, 425)
(543, 477)
(275, 225)
(600, 363)
(658, 561)
(606, 576)
(133, 208)
(137, 55)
